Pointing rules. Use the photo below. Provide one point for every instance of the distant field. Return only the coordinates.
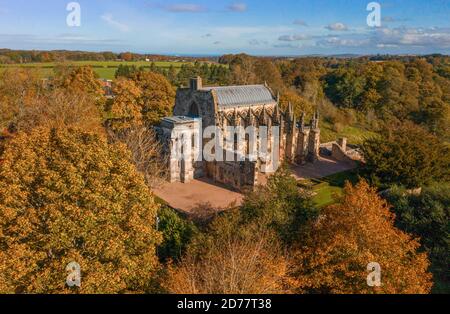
(105, 69)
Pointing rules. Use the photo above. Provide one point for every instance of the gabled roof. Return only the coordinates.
(235, 96)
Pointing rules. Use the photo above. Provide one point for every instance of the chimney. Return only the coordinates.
(196, 83)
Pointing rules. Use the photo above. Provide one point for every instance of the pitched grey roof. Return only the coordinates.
(232, 96)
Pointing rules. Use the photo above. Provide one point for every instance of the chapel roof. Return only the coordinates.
(246, 95)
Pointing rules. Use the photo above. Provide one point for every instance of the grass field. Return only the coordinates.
(328, 188)
(354, 134)
(105, 69)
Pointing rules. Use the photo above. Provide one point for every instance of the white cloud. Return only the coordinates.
(297, 37)
(391, 19)
(256, 42)
(253, 31)
(237, 7)
(434, 36)
(337, 27)
(402, 37)
(300, 22)
(56, 39)
(108, 18)
(287, 46)
(185, 7)
(336, 41)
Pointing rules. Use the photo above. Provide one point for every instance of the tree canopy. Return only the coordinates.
(67, 196)
(351, 234)
(157, 98)
(406, 155)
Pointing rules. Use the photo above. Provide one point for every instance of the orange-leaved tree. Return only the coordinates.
(82, 79)
(350, 235)
(126, 110)
(158, 96)
(231, 258)
(66, 195)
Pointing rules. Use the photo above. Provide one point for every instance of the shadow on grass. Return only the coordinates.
(328, 189)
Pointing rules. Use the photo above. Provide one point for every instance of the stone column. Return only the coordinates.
(314, 145)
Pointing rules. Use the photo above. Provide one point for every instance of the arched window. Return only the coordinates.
(193, 111)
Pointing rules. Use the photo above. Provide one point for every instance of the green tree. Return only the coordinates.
(177, 233)
(427, 215)
(67, 196)
(406, 155)
(280, 205)
(125, 71)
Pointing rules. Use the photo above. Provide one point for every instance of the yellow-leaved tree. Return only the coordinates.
(157, 98)
(231, 258)
(126, 110)
(351, 234)
(66, 195)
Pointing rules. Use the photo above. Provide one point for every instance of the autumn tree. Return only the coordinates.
(126, 110)
(126, 56)
(267, 71)
(406, 155)
(157, 98)
(82, 79)
(299, 104)
(61, 108)
(351, 234)
(231, 260)
(242, 68)
(146, 152)
(67, 196)
(18, 88)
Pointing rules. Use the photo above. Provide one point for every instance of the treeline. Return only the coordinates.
(8, 56)
(374, 91)
(211, 73)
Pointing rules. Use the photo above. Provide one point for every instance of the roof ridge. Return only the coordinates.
(234, 86)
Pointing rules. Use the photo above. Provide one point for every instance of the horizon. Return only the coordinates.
(189, 55)
(200, 28)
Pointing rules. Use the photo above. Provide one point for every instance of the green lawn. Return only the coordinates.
(355, 134)
(328, 188)
(105, 69)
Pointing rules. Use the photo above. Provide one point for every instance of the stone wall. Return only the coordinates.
(339, 151)
(201, 101)
(237, 175)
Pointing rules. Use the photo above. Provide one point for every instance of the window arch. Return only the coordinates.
(194, 111)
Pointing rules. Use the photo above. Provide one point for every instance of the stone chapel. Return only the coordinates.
(198, 106)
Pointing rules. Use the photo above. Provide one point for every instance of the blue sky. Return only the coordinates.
(260, 27)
